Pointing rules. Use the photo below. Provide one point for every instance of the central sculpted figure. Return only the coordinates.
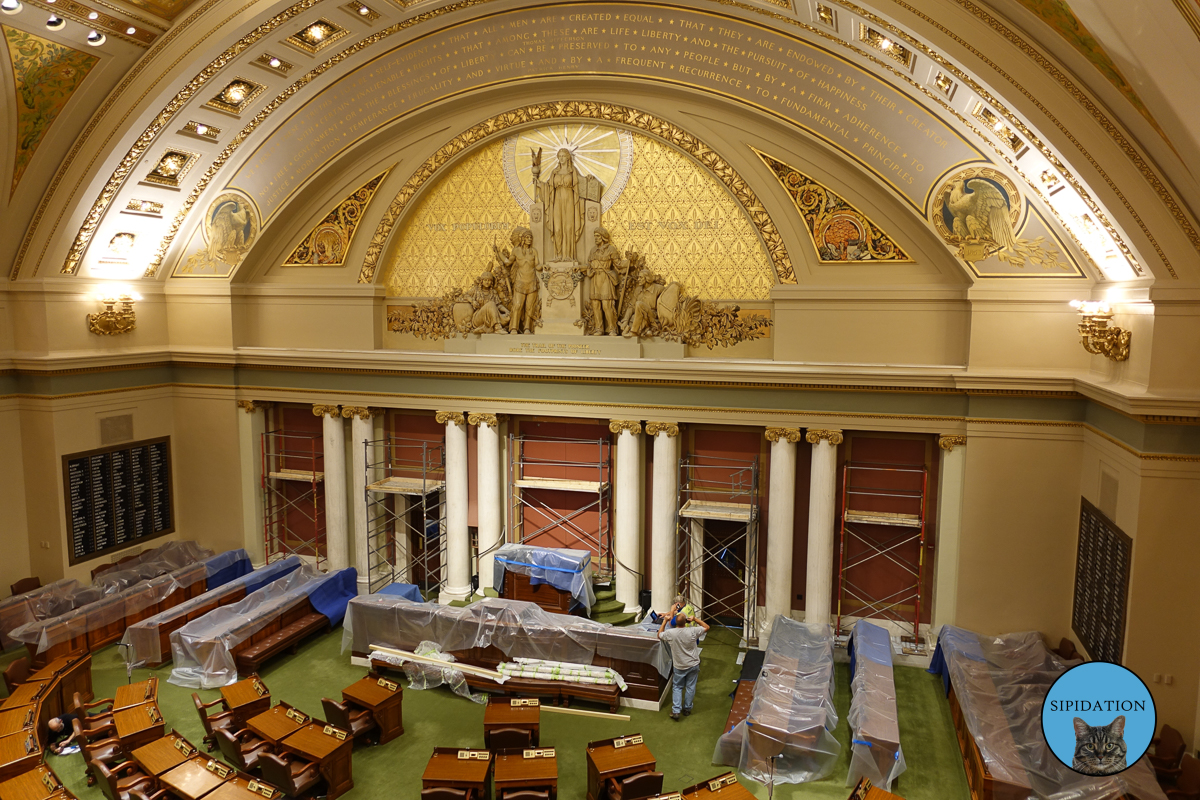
(604, 275)
(564, 205)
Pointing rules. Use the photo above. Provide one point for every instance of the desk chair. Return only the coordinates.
(84, 710)
(212, 722)
(25, 585)
(1187, 785)
(359, 721)
(447, 793)
(121, 779)
(294, 776)
(509, 739)
(635, 787)
(1168, 751)
(107, 751)
(16, 673)
(241, 749)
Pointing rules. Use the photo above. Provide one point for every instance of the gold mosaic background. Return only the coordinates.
(688, 225)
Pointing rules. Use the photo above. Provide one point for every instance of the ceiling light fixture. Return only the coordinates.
(130, 31)
(94, 15)
(274, 62)
(364, 10)
(95, 38)
(55, 23)
(10, 6)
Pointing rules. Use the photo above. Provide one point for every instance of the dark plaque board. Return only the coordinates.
(1101, 584)
(118, 495)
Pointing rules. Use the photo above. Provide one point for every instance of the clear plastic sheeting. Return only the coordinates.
(875, 750)
(543, 670)
(1000, 683)
(143, 637)
(516, 628)
(202, 650)
(47, 601)
(150, 564)
(566, 570)
(430, 676)
(89, 624)
(787, 736)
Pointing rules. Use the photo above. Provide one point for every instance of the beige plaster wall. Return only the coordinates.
(52, 318)
(319, 317)
(1020, 517)
(15, 564)
(205, 450)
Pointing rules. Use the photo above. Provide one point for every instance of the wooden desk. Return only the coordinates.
(501, 713)
(515, 771)
(238, 788)
(139, 725)
(132, 694)
(384, 702)
(163, 754)
(328, 751)
(19, 752)
(74, 674)
(615, 758)
(26, 694)
(193, 779)
(445, 768)
(15, 720)
(247, 698)
(36, 784)
(274, 725)
(728, 789)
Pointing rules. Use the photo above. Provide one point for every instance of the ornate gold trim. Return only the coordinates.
(490, 420)
(671, 429)
(815, 435)
(342, 221)
(948, 443)
(457, 417)
(625, 425)
(326, 411)
(609, 112)
(362, 412)
(250, 406)
(1188, 10)
(789, 435)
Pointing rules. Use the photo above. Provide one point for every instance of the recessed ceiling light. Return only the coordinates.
(364, 10)
(94, 15)
(55, 23)
(201, 129)
(11, 6)
(274, 62)
(130, 31)
(95, 38)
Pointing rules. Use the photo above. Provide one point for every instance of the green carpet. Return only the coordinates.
(439, 718)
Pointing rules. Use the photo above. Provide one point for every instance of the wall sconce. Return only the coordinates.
(1099, 337)
(113, 320)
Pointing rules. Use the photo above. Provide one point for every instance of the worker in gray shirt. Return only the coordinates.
(684, 642)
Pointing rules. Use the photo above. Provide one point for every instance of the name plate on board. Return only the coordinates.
(259, 688)
(546, 753)
(518, 702)
(725, 780)
(624, 740)
(669, 796)
(479, 755)
(29, 717)
(261, 788)
(182, 746)
(153, 714)
(49, 782)
(386, 684)
(218, 769)
(329, 730)
(298, 716)
(31, 745)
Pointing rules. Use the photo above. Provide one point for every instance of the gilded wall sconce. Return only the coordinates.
(1097, 335)
(117, 316)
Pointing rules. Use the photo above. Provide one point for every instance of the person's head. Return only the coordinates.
(681, 618)
(486, 280)
(564, 157)
(602, 236)
(521, 236)
(56, 724)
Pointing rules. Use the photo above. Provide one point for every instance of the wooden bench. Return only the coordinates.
(293, 626)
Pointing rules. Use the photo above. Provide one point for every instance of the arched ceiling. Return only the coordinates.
(275, 99)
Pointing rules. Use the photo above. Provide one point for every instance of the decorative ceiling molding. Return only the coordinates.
(328, 242)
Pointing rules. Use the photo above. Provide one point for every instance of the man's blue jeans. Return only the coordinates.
(683, 686)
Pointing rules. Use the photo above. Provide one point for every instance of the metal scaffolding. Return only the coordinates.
(535, 463)
(293, 482)
(882, 525)
(406, 513)
(717, 540)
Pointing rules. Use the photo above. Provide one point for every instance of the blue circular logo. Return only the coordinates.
(1098, 718)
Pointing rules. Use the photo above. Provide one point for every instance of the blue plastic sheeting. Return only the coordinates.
(875, 751)
(270, 573)
(224, 567)
(329, 597)
(566, 570)
(409, 591)
(956, 640)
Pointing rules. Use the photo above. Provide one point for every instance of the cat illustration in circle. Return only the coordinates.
(1099, 749)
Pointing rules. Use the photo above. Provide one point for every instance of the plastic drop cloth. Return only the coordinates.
(561, 671)
(142, 637)
(47, 601)
(95, 617)
(566, 570)
(150, 564)
(875, 750)
(430, 676)
(1000, 683)
(516, 628)
(202, 649)
(787, 736)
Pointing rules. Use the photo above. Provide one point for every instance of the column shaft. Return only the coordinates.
(663, 578)
(489, 500)
(781, 511)
(627, 530)
(822, 500)
(251, 418)
(361, 432)
(458, 541)
(335, 487)
(950, 503)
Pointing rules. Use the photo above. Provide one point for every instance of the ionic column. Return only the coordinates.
(781, 512)
(335, 485)
(822, 500)
(458, 539)
(627, 547)
(361, 432)
(663, 579)
(952, 474)
(251, 426)
(490, 501)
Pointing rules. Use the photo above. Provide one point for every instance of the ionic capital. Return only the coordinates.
(457, 417)
(790, 435)
(362, 412)
(250, 406)
(816, 435)
(327, 411)
(948, 443)
(491, 420)
(631, 425)
(671, 429)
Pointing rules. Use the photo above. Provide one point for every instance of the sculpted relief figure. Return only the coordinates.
(560, 194)
(481, 308)
(641, 311)
(605, 271)
(523, 267)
